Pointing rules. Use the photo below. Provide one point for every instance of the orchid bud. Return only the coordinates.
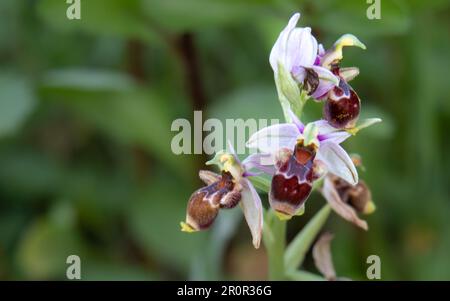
(359, 196)
(342, 106)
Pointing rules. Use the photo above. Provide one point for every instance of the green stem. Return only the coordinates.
(274, 231)
(275, 242)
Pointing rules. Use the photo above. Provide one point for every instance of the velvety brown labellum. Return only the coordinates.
(292, 183)
(342, 106)
(204, 204)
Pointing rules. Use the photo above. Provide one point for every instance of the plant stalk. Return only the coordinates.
(275, 243)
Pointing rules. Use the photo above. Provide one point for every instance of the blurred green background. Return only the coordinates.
(86, 109)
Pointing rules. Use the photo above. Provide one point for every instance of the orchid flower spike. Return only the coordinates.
(223, 192)
(343, 105)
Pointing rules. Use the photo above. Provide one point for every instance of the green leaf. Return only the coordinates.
(296, 251)
(10, 13)
(27, 175)
(88, 80)
(16, 102)
(348, 16)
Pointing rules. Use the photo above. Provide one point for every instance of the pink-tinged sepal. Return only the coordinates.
(208, 177)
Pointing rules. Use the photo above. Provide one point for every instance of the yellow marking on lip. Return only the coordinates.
(283, 216)
(186, 228)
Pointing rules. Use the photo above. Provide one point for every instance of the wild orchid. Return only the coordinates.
(347, 200)
(225, 191)
(295, 158)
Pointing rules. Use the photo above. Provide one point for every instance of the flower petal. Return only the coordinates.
(327, 81)
(262, 162)
(324, 127)
(298, 73)
(364, 124)
(336, 137)
(329, 133)
(340, 207)
(321, 50)
(208, 177)
(335, 54)
(294, 119)
(302, 48)
(253, 212)
(349, 73)
(279, 48)
(338, 162)
(270, 139)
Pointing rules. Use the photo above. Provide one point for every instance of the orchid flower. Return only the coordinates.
(295, 52)
(223, 192)
(301, 155)
(347, 201)
(319, 133)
